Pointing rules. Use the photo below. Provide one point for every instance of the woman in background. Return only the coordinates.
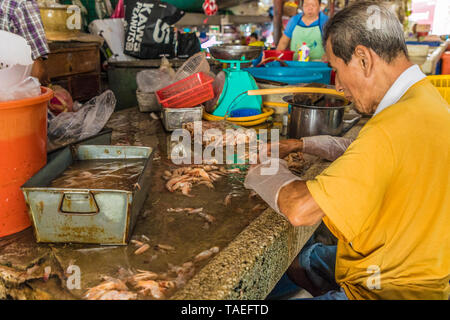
(305, 27)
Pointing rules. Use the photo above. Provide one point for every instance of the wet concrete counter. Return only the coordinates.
(256, 245)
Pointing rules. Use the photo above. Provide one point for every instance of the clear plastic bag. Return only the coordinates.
(28, 88)
(166, 66)
(152, 80)
(88, 120)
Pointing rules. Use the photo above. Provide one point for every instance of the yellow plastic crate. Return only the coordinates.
(442, 83)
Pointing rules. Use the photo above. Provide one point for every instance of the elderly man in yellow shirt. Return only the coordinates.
(387, 197)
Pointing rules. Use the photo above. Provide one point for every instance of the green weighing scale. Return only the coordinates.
(233, 101)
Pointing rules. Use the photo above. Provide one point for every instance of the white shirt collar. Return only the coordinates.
(406, 80)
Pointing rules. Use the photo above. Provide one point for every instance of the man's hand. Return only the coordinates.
(297, 204)
(268, 178)
(40, 71)
(285, 147)
(284, 192)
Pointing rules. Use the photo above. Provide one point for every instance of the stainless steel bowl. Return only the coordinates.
(309, 121)
(235, 52)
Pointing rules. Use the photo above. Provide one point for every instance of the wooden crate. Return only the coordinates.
(76, 67)
(82, 87)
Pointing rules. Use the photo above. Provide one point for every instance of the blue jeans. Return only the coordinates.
(319, 262)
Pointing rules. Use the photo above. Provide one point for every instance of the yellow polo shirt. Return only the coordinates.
(387, 200)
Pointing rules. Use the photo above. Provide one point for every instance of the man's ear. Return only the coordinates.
(365, 59)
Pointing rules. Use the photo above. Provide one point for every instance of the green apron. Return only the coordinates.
(313, 38)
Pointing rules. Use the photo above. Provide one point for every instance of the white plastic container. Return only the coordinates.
(303, 54)
(415, 50)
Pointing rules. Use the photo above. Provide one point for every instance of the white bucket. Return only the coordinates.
(15, 59)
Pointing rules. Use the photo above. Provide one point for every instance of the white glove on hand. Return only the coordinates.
(327, 147)
(268, 178)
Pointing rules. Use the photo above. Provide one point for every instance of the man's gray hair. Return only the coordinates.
(366, 23)
(303, 2)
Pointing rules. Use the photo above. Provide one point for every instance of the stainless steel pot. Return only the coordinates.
(308, 120)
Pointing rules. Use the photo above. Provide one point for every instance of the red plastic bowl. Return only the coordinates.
(285, 54)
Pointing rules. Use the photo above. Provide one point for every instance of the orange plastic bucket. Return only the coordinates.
(446, 63)
(23, 152)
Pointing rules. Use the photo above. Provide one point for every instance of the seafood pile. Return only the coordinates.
(148, 283)
(101, 174)
(221, 132)
(110, 289)
(232, 140)
(184, 178)
(295, 162)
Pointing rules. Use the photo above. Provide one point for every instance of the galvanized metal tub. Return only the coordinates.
(102, 138)
(96, 216)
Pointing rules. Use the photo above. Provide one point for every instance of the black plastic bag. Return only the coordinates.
(149, 32)
(188, 45)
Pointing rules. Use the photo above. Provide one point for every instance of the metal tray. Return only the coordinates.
(173, 118)
(102, 138)
(96, 216)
